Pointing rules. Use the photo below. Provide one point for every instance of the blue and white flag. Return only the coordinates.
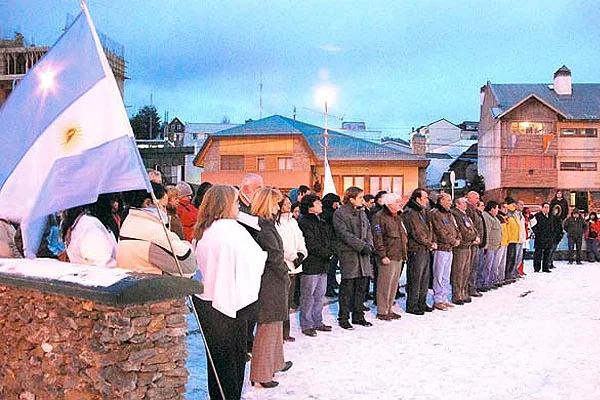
(65, 135)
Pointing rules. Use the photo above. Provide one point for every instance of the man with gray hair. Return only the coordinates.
(390, 240)
(250, 184)
(461, 254)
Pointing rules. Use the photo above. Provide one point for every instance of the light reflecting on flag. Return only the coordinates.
(74, 138)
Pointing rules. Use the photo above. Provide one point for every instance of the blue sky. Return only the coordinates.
(393, 64)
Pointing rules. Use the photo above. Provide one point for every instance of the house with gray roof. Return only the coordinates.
(289, 153)
(536, 138)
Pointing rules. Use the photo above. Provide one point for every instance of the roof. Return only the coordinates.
(340, 146)
(203, 127)
(584, 103)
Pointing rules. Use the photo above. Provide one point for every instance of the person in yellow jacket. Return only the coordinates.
(501, 259)
(514, 240)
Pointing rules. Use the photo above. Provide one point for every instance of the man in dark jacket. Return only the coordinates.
(331, 202)
(420, 243)
(447, 237)
(390, 240)
(355, 247)
(544, 239)
(476, 249)
(461, 255)
(562, 202)
(575, 227)
(313, 280)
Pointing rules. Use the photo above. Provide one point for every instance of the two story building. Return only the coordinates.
(288, 153)
(537, 138)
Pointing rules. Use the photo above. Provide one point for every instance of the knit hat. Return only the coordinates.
(184, 189)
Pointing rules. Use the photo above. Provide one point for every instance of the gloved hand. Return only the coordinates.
(298, 260)
(366, 250)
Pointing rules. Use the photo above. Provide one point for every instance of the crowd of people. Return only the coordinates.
(260, 253)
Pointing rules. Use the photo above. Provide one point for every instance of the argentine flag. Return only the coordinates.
(65, 135)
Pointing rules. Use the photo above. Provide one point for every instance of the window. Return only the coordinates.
(232, 163)
(526, 128)
(391, 184)
(358, 181)
(578, 166)
(579, 132)
(260, 163)
(528, 162)
(285, 163)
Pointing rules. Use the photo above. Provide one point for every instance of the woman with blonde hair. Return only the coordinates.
(267, 351)
(231, 265)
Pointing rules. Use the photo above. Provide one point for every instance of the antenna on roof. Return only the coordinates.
(260, 87)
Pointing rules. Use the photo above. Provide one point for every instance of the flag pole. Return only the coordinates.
(189, 297)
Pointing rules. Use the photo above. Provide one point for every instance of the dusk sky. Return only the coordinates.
(393, 64)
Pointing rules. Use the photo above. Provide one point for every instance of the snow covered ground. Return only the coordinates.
(502, 346)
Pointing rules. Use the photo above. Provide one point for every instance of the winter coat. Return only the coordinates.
(544, 237)
(187, 215)
(389, 235)
(593, 226)
(355, 241)
(418, 228)
(175, 223)
(514, 227)
(293, 240)
(275, 282)
(564, 207)
(466, 228)
(143, 246)
(319, 244)
(504, 224)
(445, 229)
(493, 231)
(575, 227)
(477, 219)
(557, 229)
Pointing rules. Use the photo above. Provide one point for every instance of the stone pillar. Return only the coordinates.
(70, 341)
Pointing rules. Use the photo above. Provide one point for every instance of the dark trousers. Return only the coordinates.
(226, 341)
(575, 243)
(332, 282)
(374, 280)
(511, 254)
(541, 259)
(352, 296)
(417, 280)
(291, 304)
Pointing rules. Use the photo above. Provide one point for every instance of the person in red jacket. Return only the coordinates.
(185, 209)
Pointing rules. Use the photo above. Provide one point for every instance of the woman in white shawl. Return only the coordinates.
(231, 265)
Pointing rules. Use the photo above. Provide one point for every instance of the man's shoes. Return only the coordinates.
(324, 328)
(546, 270)
(344, 324)
(310, 332)
(362, 322)
(415, 312)
(467, 300)
(286, 366)
(570, 262)
(384, 317)
(440, 306)
(365, 308)
(394, 315)
(448, 305)
(427, 308)
(266, 385)
(578, 262)
(475, 294)
(459, 302)
(289, 339)
(482, 289)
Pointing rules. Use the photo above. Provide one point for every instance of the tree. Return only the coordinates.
(146, 123)
(478, 185)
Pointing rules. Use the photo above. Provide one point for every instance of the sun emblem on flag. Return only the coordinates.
(71, 136)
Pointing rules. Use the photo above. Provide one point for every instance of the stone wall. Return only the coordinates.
(58, 347)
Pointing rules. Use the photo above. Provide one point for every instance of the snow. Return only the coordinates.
(530, 340)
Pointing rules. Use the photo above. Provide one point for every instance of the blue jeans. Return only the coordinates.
(312, 290)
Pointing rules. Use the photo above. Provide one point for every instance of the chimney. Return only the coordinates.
(562, 81)
(481, 95)
(418, 143)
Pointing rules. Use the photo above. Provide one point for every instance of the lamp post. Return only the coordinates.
(324, 95)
